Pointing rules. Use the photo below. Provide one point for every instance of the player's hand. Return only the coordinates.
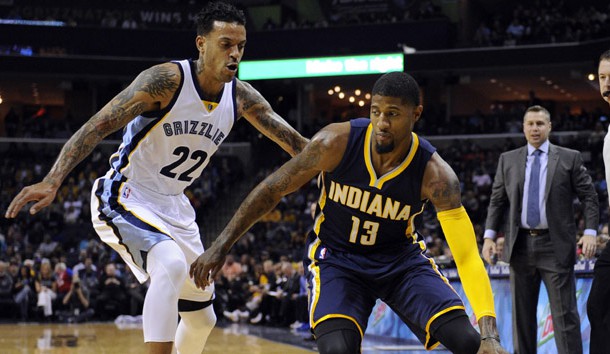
(42, 192)
(491, 346)
(204, 269)
(588, 245)
(489, 249)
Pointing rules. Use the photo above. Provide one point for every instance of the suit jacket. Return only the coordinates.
(566, 177)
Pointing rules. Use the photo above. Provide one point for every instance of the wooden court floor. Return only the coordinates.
(108, 338)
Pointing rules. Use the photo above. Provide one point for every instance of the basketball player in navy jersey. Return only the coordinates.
(175, 116)
(375, 177)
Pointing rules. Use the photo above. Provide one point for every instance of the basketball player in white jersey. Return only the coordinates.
(175, 116)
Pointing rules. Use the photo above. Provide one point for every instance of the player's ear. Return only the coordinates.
(200, 43)
(417, 111)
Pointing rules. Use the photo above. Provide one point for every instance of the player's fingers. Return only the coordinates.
(192, 270)
(17, 203)
(41, 204)
(215, 271)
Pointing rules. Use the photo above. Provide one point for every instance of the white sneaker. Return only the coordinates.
(243, 315)
(231, 315)
(256, 319)
(295, 325)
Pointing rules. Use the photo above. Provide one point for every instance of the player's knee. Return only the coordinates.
(455, 332)
(338, 336)
(199, 319)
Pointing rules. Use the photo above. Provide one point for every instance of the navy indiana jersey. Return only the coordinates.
(364, 213)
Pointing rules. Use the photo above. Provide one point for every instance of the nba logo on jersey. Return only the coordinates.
(323, 252)
(126, 192)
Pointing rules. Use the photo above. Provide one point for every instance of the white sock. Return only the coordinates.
(194, 329)
(167, 268)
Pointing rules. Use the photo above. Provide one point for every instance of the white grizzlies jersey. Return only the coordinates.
(167, 150)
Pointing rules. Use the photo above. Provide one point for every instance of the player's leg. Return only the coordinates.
(598, 307)
(340, 300)
(425, 301)
(337, 336)
(125, 220)
(197, 319)
(454, 331)
(167, 268)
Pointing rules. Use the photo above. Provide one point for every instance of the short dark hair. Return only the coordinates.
(218, 11)
(538, 109)
(398, 84)
(605, 56)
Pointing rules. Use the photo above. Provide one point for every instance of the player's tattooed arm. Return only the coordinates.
(255, 108)
(151, 90)
(287, 179)
(441, 185)
(323, 153)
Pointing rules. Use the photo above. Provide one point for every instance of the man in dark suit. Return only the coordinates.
(537, 184)
(598, 304)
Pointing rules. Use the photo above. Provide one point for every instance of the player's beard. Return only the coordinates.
(384, 149)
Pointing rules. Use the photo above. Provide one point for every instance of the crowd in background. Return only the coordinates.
(55, 268)
(52, 264)
(502, 117)
(544, 21)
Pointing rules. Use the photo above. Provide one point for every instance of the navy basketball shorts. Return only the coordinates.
(347, 285)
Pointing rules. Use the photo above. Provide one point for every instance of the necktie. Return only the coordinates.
(533, 196)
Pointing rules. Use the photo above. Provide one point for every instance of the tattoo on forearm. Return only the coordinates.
(250, 101)
(268, 193)
(447, 193)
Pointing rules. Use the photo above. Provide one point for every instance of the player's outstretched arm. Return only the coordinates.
(151, 90)
(255, 108)
(442, 188)
(322, 153)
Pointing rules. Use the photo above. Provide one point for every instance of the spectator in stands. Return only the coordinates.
(76, 304)
(174, 91)
(6, 290)
(267, 282)
(231, 268)
(63, 281)
(300, 298)
(24, 290)
(112, 297)
(136, 292)
(482, 36)
(598, 307)
(89, 278)
(46, 289)
(47, 248)
(82, 264)
(538, 207)
(287, 295)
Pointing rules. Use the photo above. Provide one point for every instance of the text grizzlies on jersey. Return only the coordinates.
(367, 202)
(194, 127)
